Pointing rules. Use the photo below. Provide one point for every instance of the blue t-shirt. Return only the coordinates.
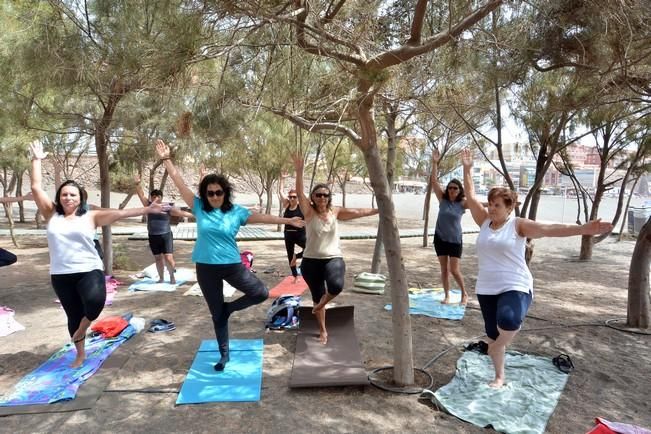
(448, 223)
(216, 233)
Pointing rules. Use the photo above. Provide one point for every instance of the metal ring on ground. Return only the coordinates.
(409, 390)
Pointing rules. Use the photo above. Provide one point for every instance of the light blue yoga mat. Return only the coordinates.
(240, 381)
(429, 304)
(523, 405)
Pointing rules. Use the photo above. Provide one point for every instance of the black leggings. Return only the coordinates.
(210, 278)
(81, 295)
(292, 239)
(321, 272)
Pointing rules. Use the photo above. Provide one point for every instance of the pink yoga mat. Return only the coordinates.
(288, 287)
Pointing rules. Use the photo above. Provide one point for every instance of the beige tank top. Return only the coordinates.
(322, 238)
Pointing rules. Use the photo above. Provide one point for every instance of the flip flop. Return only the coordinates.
(480, 347)
(161, 325)
(563, 363)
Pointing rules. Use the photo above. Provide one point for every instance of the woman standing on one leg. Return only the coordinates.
(76, 270)
(448, 234)
(293, 236)
(215, 253)
(505, 284)
(161, 241)
(323, 266)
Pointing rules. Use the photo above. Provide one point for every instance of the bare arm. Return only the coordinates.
(257, 217)
(479, 213)
(436, 157)
(178, 212)
(43, 202)
(140, 192)
(107, 216)
(284, 200)
(303, 201)
(533, 229)
(163, 152)
(354, 213)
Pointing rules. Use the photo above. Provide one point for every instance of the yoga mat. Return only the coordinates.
(196, 290)
(240, 381)
(288, 287)
(55, 380)
(429, 304)
(147, 284)
(523, 405)
(339, 362)
(87, 394)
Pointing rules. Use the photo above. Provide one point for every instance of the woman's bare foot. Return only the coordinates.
(295, 280)
(496, 383)
(79, 360)
(464, 298)
(323, 338)
(446, 300)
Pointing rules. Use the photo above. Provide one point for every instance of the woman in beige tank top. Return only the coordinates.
(323, 266)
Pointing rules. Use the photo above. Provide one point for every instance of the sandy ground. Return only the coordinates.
(573, 299)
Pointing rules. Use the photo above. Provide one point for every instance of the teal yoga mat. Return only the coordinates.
(240, 381)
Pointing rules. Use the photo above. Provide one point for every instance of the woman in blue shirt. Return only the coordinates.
(215, 253)
(448, 233)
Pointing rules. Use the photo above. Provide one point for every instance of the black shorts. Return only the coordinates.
(443, 248)
(161, 244)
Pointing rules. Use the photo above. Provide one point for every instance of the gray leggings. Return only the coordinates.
(81, 295)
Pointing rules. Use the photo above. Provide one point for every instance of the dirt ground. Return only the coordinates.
(572, 301)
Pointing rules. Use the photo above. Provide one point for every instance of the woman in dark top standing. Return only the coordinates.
(448, 242)
(293, 236)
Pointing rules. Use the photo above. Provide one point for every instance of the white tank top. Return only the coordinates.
(502, 266)
(322, 238)
(72, 249)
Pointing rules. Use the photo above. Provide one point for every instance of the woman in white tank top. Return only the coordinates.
(323, 266)
(75, 267)
(504, 285)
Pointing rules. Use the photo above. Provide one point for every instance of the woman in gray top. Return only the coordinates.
(448, 234)
(160, 232)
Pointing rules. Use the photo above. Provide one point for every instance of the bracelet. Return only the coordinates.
(166, 158)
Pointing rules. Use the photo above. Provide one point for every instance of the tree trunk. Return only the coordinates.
(428, 198)
(639, 303)
(19, 192)
(101, 146)
(125, 201)
(403, 364)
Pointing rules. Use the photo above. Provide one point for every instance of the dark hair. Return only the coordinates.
(510, 197)
(224, 184)
(156, 192)
(318, 187)
(81, 209)
(460, 196)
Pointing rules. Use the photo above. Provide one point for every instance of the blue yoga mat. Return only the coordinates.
(240, 381)
(429, 304)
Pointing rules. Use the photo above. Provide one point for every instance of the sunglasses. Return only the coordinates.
(453, 188)
(293, 197)
(211, 193)
(320, 195)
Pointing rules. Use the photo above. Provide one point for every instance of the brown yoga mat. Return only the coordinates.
(339, 362)
(87, 394)
(288, 287)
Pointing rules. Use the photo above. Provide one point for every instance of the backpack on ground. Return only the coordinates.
(283, 313)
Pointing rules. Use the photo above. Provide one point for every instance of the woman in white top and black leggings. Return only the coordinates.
(505, 285)
(77, 272)
(323, 266)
